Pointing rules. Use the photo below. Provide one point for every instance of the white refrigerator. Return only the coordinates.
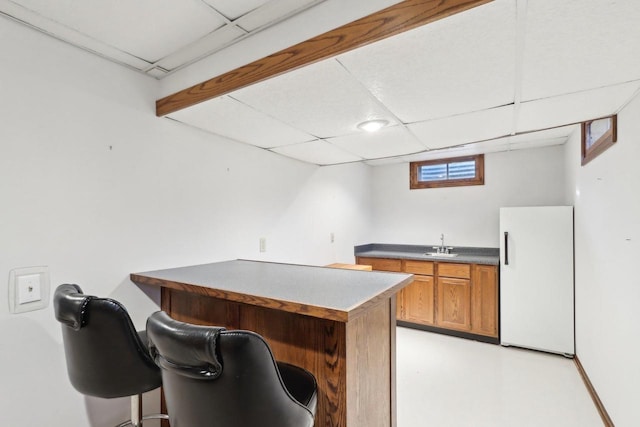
(536, 278)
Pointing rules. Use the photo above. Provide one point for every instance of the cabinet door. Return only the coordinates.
(416, 302)
(454, 303)
(484, 300)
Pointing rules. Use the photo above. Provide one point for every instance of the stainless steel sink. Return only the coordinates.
(440, 254)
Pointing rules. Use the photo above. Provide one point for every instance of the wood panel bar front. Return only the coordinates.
(353, 360)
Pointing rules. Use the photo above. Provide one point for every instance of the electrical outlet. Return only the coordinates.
(333, 237)
(263, 244)
(29, 288)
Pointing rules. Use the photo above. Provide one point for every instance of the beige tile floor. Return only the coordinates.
(453, 382)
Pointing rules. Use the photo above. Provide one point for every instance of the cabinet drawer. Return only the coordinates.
(462, 271)
(384, 264)
(419, 267)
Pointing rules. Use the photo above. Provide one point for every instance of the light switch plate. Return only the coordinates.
(28, 289)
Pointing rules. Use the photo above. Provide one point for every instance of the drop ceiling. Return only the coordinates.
(156, 37)
(509, 74)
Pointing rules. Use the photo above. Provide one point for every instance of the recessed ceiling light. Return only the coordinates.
(373, 125)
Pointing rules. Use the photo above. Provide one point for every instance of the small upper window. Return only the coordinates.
(452, 172)
(597, 136)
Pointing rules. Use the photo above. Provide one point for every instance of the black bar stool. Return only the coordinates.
(212, 376)
(106, 357)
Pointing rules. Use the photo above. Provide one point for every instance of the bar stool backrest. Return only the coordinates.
(106, 357)
(213, 376)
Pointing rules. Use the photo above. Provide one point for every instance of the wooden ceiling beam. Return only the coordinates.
(388, 22)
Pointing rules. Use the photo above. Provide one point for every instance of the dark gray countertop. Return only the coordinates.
(466, 255)
(288, 287)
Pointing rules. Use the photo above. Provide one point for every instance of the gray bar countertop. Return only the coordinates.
(466, 255)
(315, 291)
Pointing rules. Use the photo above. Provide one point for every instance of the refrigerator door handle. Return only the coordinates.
(506, 248)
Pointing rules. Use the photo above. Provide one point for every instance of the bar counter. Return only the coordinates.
(337, 323)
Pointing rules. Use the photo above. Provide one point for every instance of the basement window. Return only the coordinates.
(452, 172)
(597, 136)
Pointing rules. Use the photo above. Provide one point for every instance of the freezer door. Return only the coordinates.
(536, 278)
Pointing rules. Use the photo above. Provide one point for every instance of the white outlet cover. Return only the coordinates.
(28, 289)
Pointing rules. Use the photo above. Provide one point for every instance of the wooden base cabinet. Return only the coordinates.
(445, 295)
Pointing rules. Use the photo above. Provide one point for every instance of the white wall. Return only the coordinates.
(94, 186)
(607, 249)
(468, 216)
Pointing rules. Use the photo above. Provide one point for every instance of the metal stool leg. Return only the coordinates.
(135, 420)
(155, 417)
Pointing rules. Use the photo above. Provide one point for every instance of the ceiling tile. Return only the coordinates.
(526, 141)
(167, 25)
(554, 133)
(318, 152)
(464, 128)
(321, 99)
(227, 117)
(462, 63)
(575, 107)
(71, 36)
(547, 142)
(467, 150)
(495, 146)
(503, 141)
(202, 47)
(390, 141)
(271, 12)
(384, 162)
(233, 9)
(573, 45)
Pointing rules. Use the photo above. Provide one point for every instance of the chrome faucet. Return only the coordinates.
(441, 249)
